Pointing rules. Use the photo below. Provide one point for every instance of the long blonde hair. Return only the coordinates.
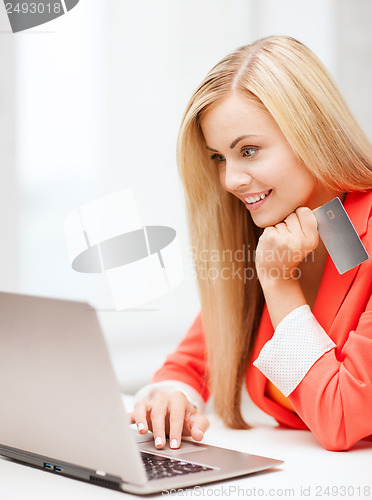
(284, 77)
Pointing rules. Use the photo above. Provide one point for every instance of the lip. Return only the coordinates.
(257, 204)
(247, 195)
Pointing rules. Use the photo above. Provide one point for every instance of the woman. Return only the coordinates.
(265, 139)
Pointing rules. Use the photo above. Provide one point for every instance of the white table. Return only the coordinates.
(309, 471)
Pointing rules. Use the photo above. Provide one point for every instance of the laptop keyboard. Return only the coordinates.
(158, 467)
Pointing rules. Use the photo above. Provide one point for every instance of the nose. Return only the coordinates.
(235, 177)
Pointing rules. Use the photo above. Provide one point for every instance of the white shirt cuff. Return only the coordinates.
(192, 395)
(298, 342)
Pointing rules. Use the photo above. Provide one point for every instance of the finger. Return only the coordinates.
(294, 232)
(177, 410)
(158, 414)
(292, 223)
(268, 232)
(131, 417)
(141, 410)
(282, 229)
(308, 224)
(199, 424)
(195, 423)
(283, 238)
(290, 249)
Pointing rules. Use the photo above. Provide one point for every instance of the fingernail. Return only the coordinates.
(140, 427)
(174, 443)
(200, 432)
(158, 441)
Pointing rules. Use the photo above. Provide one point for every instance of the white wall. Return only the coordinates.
(353, 42)
(9, 193)
(60, 148)
(311, 22)
(100, 96)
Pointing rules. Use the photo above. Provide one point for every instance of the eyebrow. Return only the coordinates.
(235, 141)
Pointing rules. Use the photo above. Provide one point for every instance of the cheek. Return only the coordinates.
(222, 176)
(293, 175)
(304, 184)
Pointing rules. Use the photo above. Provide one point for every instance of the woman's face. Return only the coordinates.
(256, 163)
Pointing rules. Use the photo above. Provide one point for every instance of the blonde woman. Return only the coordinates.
(265, 139)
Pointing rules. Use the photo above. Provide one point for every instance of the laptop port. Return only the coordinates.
(57, 468)
(48, 466)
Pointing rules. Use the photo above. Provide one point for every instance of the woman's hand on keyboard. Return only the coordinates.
(169, 414)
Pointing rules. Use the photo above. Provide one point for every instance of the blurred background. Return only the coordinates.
(91, 103)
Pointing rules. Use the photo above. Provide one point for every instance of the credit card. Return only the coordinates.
(339, 236)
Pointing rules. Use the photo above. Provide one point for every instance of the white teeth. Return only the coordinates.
(257, 197)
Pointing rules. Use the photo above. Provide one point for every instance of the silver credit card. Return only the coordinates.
(339, 236)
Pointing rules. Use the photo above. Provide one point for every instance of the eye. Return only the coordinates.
(218, 158)
(249, 151)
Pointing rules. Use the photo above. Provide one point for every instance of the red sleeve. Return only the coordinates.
(335, 396)
(187, 363)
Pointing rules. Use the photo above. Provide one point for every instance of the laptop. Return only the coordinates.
(62, 410)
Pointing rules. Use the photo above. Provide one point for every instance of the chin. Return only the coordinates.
(267, 221)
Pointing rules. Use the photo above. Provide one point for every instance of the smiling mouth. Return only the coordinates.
(250, 200)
